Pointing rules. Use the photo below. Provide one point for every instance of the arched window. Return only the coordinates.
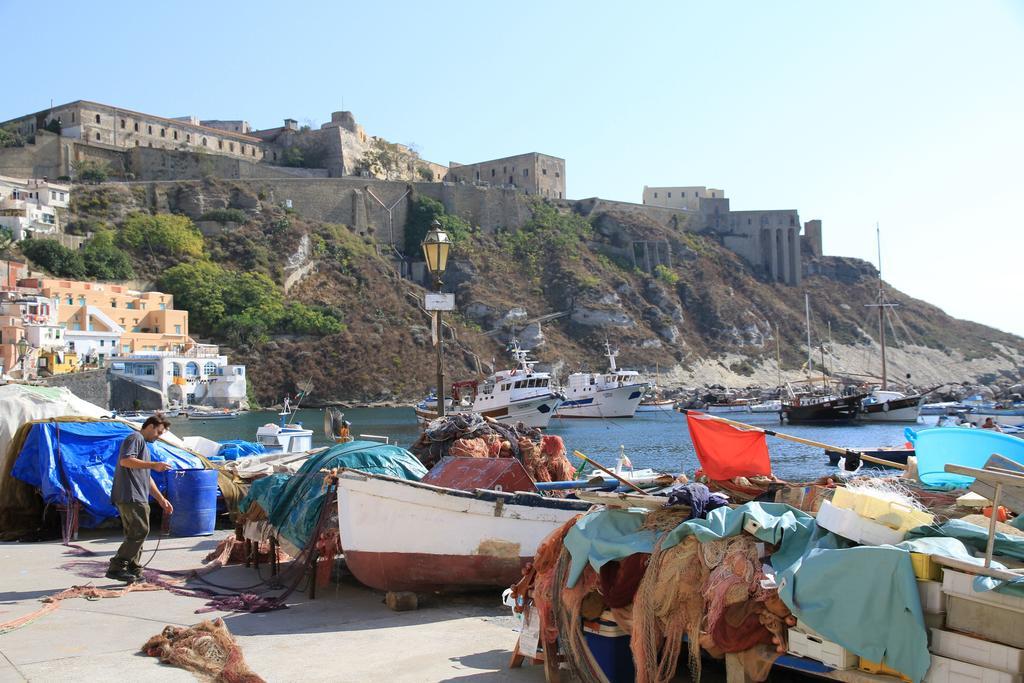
(176, 369)
(204, 142)
(191, 370)
(210, 368)
(97, 118)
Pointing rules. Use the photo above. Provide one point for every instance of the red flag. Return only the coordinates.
(726, 452)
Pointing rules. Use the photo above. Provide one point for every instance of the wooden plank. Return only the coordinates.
(961, 565)
(623, 500)
(989, 476)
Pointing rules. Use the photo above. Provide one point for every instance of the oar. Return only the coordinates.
(806, 442)
(608, 471)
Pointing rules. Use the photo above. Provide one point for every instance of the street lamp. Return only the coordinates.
(435, 250)
(22, 353)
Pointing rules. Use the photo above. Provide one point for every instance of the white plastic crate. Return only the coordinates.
(932, 599)
(946, 670)
(817, 648)
(977, 651)
(961, 585)
(986, 620)
(849, 524)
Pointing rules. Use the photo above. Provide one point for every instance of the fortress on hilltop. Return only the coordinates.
(337, 172)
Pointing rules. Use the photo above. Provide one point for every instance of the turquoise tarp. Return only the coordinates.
(864, 598)
(293, 502)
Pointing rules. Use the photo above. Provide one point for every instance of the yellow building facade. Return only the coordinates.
(148, 319)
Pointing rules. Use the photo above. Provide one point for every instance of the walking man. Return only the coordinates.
(132, 487)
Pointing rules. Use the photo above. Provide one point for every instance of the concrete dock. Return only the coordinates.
(345, 634)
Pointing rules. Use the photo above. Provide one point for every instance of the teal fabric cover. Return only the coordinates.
(864, 598)
(973, 536)
(293, 502)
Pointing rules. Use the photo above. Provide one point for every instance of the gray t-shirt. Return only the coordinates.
(131, 485)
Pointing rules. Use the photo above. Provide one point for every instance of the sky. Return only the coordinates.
(906, 114)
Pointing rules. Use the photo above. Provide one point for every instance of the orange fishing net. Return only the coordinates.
(206, 649)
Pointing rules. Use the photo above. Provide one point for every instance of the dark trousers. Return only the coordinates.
(135, 522)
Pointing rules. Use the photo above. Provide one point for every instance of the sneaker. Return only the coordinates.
(136, 572)
(122, 575)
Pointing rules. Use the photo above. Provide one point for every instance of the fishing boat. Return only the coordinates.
(772, 406)
(284, 437)
(401, 535)
(824, 409)
(652, 404)
(613, 394)
(1011, 416)
(890, 406)
(740, 405)
(508, 396)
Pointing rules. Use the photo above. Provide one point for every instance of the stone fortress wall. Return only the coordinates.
(355, 188)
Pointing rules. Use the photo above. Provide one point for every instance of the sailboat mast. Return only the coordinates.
(807, 314)
(778, 358)
(881, 306)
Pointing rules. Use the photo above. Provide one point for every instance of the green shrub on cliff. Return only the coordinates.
(244, 308)
(163, 233)
(422, 214)
(51, 255)
(225, 216)
(104, 260)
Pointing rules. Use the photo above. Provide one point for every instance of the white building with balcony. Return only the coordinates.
(99, 340)
(29, 207)
(198, 376)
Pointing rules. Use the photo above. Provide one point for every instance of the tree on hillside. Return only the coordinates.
(104, 260)
(198, 288)
(422, 214)
(383, 158)
(6, 238)
(90, 172)
(51, 255)
(164, 233)
(10, 137)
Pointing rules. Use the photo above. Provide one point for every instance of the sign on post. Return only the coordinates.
(439, 302)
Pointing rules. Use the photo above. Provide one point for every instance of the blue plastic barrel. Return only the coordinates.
(193, 493)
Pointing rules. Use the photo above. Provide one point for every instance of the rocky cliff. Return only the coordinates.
(563, 285)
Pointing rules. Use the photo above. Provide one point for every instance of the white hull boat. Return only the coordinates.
(508, 396)
(618, 402)
(400, 535)
(616, 393)
(767, 407)
(1012, 417)
(662, 406)
(890, 406)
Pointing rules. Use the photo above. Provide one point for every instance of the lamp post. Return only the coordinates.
(22, 354)
(435, 250)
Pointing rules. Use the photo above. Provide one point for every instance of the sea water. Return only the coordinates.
(660, 441)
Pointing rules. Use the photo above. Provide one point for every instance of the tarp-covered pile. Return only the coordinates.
(734, 582)
(470, 435)
(291, 503)
(76, 457)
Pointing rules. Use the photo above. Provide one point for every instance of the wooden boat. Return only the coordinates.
(656, 405)
(828, 409)
(400, 535)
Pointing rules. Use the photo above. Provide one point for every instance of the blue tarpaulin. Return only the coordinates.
(293, 502)
(234, 449)
(81, 456)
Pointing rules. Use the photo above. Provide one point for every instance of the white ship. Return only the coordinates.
(616, 393)
(509, 396)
